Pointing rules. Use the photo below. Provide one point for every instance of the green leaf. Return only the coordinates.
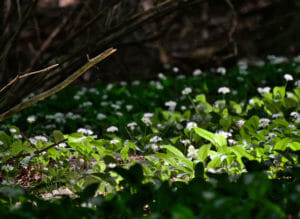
(58, 135)
(250, 126)
(124, 152)
(279, 92)
(173, 150)
(174, 162)
(5, 139)
(295, 146)
(282, 144)
(179, 155)
(206, 135)
(241, 152)
(214, 163)
(17, 147)
(203, 152)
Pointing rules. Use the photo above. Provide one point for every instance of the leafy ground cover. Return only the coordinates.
(179, 146)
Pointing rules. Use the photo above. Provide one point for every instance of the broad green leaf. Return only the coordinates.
(241, 152)
(295, 146)
(5, 139)
(58, 135)
(17, 147)
(214, 163)
(282, 144)
(124, 152)
(206, 135)
(174, 162)
(203, 152)
(250, 126)
(179, 155)
(173, 150)
(279, 93)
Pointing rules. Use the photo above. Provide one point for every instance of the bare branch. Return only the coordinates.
(60, 86)
(28, 74)
(38, 151)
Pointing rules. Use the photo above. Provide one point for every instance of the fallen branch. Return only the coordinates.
(60, 86)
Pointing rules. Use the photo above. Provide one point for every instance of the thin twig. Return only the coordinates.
(38, 151)
(39, 71)
(25, 137)
(60, 86)
(28, 74)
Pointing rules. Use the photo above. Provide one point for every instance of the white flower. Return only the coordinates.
(221, 70)
(225, 134)
(197, 72)
(191, 125)
(161, 76)
(276, 115)
(86, 104)
(175, 69)
(219, 103)
(115, 106)
(251, 101)
(155, 139)
(31, 119)
(171, 105)
(272, 135)
(129, 107)
(232, 142)
(76, 97)
(114, 141)
(101, 116)
(1, 143)
(183, 108)
(62, 145)
(132, 125)
(18, 136)
(187, 91)
(13, 130)
(243, 65)
(263, 122)
(155, 147)
(185, 141)
(181, 77)
(263, 90)
(223, 90)
(112, 165)
(297, 58)
(85, 131)
(295, 114)
(112, 129)
(94, 91)
(192, 152)
(80, 139)
(147, 121)
(123, 83)
(148, 115)
(292, 126)
(136, 83)
(119, 114)
(7, 168)
(109, 87)
(240, 123)
(276, 59)
(297, 83)
(288, 77)
(41, 138)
